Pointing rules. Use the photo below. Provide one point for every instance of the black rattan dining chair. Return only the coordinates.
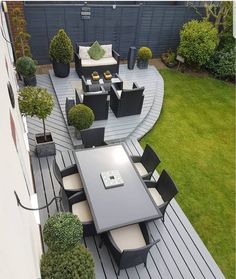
(129, 245)
(78, 205)
(147, 163)
(68, 178)
(163, 191)
(93, 137)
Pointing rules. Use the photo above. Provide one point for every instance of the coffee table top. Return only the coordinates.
(114, 207)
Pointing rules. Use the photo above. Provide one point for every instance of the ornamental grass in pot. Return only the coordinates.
(81, 117)
(36, 101)
(61, 53)
(26, 67)
(144, 54)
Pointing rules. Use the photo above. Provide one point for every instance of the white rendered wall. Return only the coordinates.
(20, 246)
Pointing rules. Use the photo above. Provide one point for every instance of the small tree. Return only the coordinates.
(22, 37)
(36, 101)
(198, 40)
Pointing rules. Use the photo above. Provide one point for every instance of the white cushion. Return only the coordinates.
(156, 196)
(100, 62)
(127, 84)
(83, 52)
(118, 93)
(141, 169)
(108, 51)
(129, 237)
(82, 210)
(72, 182)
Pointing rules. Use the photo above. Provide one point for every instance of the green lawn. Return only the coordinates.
(194, 138)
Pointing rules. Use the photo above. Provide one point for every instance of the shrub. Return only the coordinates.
(74, 264)
(36, 101)
(26, 66)
(81, 117)
(61, 49)
(198, 40)
(62, 232)
(144, 53)
(221, 64)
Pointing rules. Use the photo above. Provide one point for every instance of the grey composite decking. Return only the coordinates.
(118, 129)
(179, 254)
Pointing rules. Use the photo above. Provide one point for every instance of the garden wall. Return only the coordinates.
(149, 24)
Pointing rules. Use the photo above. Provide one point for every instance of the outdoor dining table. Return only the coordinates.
(114, 206)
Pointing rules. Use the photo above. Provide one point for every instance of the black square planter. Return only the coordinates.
(43, 148)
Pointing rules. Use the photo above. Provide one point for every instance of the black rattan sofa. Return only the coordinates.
(88, 69)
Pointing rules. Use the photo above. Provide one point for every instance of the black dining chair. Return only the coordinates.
(129, 245)
(147, 163)
(68, 178)
(78, 205)
(93, 137)
(162, 191)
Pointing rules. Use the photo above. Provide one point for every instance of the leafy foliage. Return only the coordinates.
(35, 101)
(26, 66)
(144, 53)
(21, 36)
(73, 264)
(61, 49)
(222, 64)
(81, 117)
(62, 232)
(198, 40)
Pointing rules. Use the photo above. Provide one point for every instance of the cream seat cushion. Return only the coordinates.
(83, 52)
(118, 93)
(141, 169)
(100, 62)
(108, 51)
(129, 237)
(72, 182)
(82, 210)
(156, 196)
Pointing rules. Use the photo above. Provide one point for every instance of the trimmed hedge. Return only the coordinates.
(144, 53)
(26, 66)
(62, 232)
(81, 117)
(74, 264)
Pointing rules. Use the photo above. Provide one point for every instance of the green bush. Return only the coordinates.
(81, 117)
(198, 40)
(26, 66)
(144, 53)
(74, 264)
(62, 232)
(222, 64)
(61, 49)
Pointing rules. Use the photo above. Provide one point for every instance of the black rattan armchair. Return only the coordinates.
(78, 205)
(68, 178)
(147, 163)
(93, 137)
(162, 191)
(126, 102)
(129, 245)
(97, 101)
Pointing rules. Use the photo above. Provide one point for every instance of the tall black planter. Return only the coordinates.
(60, 69)
(30, 81)
(142, 64)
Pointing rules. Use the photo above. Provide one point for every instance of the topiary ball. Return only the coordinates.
(26, 66)
(62, 231)
(81, 117)
(144, 53)
(74, 264)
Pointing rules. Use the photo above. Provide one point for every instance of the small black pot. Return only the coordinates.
(61, 70)
(142, 64)
(30, 81)
(43, 148)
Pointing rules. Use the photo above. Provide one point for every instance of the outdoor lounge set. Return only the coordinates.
(106, 209)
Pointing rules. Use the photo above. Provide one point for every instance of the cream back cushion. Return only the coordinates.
(83, 52)
(108, 51)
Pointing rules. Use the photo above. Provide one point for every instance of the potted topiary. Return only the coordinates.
(144, 54)
(168, 58)
(66, 257)
(36, 101)
(81, 117)
(61, 53)
(26, 66)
